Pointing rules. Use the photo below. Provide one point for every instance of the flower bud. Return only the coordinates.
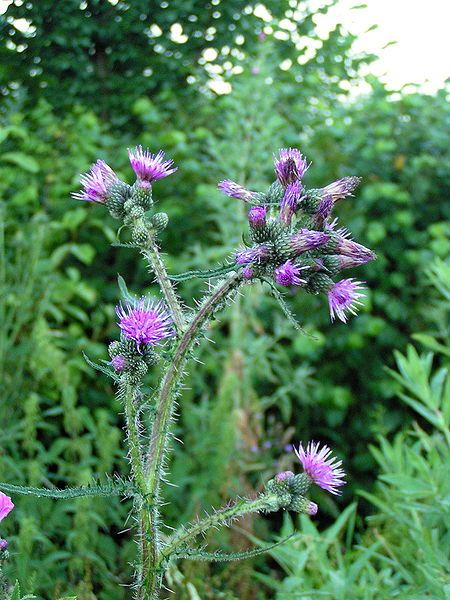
(119, 363)
(140, 234)
(118, 193)
(257, 217)
(248, 272)
(3, 545)
(318, 282)
(142, 195)
(159, 221)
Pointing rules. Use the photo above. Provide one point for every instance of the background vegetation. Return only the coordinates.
(89, 79)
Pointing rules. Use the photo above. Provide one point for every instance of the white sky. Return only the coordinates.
(421, 29)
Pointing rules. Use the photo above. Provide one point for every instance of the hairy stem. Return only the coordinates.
(164, 409)
(265, 502)
(129, 392)
(151, 252)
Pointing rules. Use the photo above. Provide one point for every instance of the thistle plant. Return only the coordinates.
(293, 242)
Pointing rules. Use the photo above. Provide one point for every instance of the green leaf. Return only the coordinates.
(27, 163)
(124, 290)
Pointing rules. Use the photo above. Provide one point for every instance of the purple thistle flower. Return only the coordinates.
(255, 254)
(288, 273)
(343, 297)
(6, 505)
(290, 165)
(147, 322)
(248, 272)
(290, 201)
(257, 216)
(323, 469)
(348, 247)
(312, 509)
(308, 239)
(234, 190)
(341, 188)
(96, 183)
(323, 211)
(150, 167)
(118, 363)
(3, 545)
(284, 475)
(348, 262)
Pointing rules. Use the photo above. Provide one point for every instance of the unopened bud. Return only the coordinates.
(159, 221)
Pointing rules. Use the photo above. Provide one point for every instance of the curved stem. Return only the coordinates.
(151, 252)
(265, 502)
(164, 410)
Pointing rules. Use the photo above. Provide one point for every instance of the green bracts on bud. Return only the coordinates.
(118, 195)
(159, 221)
(142, 196)
(318, 282)
(140, 234)
(274, 194)
(290, 491)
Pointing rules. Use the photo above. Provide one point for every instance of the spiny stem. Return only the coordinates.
(151, 252)
(129, 393)
(265, 502)
(164, 409)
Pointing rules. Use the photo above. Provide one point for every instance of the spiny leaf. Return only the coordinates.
(208, 274)
(121, 488)
(218, 556)
(101, 368)
(124, 290)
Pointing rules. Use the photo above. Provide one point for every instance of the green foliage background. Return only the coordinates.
(92, 78)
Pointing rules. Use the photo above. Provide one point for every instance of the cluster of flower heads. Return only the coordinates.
(6, 506)
(97, 183)
(319, 468)
(293, 238)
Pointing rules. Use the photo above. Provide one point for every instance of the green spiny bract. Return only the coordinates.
(159, 221)
(274, 194)
(118, 194)
(318, 282)
(140, 234)
(142, 195)
(290, 490)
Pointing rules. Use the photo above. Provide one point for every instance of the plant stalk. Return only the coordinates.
(151, 253)
(164, 410)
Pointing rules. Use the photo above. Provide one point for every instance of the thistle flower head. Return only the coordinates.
(323, 210)
(6, 505)
(308, 239)
(321, 467)
(248, 272)
(289, 203)
(341, 188)
(288, 273)
(96, 183)
(150, 167)
(257, 216)
(284, 475)
(348, 247)
(290, 165)
(3, 545)
(343, 298)
(118, 362)
(234, 190)
(146, 322)
(312, 509)
(251, 255)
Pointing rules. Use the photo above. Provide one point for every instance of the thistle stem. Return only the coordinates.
(151, 253)
(164, 410)
(265, 502)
